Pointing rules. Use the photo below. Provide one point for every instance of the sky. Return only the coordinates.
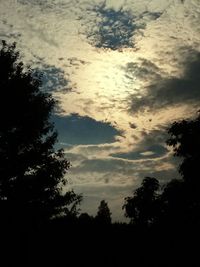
(123, 71)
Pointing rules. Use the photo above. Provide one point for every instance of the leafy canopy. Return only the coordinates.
(32, 173)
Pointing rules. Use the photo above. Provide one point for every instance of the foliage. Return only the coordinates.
(32, 173)
(184, 138)
(179, 201)
(141, 207)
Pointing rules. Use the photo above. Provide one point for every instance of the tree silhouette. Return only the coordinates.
(103, 215)
(174, 203)
(141, 208)
(31, 171)
(184, 138)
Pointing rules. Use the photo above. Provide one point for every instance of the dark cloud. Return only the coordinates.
(156, 136)
(153, 151)
(144, 70)
(53, 78)
(132, 125)
(162, 91)
(76, 129)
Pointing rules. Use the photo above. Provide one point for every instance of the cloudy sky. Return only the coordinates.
(123, 71)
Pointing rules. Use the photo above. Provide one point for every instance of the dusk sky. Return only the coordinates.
(123, 71)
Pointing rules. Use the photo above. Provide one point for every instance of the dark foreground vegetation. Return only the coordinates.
(40, 223)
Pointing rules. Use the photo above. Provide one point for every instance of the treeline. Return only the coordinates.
(41, 224)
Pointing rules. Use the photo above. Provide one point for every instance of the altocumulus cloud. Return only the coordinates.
(75, 129)
(65, 35)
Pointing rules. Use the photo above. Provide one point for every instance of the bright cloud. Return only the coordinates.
(122, 70)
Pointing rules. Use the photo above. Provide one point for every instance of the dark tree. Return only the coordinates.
(32, 173)
(174, 203)
(141, 208)
(185, 140)
(103, 215)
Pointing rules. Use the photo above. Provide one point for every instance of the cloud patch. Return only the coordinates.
(151, 152)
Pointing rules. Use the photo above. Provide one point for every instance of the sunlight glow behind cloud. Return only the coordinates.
(130, 64)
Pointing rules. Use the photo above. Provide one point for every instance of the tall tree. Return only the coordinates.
(141, 208)
(103, 214)
(32, 173)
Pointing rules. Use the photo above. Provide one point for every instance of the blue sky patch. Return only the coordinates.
(82, 130)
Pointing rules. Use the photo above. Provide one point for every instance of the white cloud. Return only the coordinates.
(52, 37)
(147, 153)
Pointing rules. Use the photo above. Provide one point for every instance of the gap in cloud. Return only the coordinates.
(110, 28)
(114, 28)
(83, 130)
